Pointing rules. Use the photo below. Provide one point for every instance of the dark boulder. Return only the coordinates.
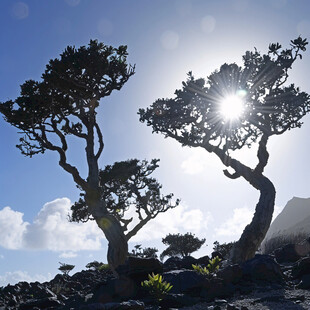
(216, 288)
(203, 261)
(262, 267)
(302, 267)
(230, 273)
(184, 281)
(138, 269)
(286, 254)
(172, 263)
(178, 301)
(115, 290)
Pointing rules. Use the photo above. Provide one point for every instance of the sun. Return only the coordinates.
(232, 106)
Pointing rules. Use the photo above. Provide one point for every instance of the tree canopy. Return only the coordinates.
(124, 185)
(64, 103)
(269, 106)
(181, 245)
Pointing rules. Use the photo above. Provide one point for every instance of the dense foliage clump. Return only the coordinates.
(181, 245)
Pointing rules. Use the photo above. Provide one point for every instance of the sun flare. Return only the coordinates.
(231, 107)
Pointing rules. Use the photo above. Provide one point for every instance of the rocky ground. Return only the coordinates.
(279, 281)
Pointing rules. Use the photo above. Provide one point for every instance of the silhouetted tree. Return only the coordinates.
(270, 107)
(181, 245)
(65, 268)
(145, 252)
(123, 186)
(224, 248)
(65, 104)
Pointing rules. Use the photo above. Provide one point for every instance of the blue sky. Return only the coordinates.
(165, 39)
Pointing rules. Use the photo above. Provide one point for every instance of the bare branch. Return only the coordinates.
(100, 138)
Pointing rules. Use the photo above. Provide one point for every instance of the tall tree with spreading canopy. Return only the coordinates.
(65, 104)
(234, 108)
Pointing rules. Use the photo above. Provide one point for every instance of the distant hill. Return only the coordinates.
(293, 220)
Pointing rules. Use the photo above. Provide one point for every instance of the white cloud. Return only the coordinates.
(50, 230)
(235, 225)
(200, 162)
(177, 220)
(17, 276)
(12, 228)
(69, 254)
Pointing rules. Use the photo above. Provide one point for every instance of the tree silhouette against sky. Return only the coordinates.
(64, 104)
(234, 108)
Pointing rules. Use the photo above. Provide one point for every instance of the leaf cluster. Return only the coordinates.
(224, 248)
(194, 117)
(64, 101)
(144, 253)
(128, 184)
(156, 286)
(211, 268)
(181, 245)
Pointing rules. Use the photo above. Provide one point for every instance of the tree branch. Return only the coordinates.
(262, 154)
(100, 138)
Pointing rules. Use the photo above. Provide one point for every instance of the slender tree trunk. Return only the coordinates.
(118, 245)
(113, 231)
(255, 232)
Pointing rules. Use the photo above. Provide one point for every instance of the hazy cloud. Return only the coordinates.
(235, 225)
(50, 230)
(67, 255)
(178, 220)
(17, 276)
(12, 229)
(199, 162)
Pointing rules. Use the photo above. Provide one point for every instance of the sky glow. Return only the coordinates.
(166, 40)
(232, 107)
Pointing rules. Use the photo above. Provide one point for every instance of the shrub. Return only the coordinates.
(93, 265)
(156, 286)
(224, 249)
(65, 268)
(144, 253)
(181, 245)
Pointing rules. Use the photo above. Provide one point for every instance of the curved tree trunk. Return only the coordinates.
(255, 232)
(118, 245)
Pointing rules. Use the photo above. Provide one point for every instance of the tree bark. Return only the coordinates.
(254, 233)
(118, 245)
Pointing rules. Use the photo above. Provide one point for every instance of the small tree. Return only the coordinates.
(144, 253)
(65, 104)
(224, 248)
(65, 268)
(234, 108)
(93, 265)
(181, 245)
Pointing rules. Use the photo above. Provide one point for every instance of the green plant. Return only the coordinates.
(156, 286)
(212, 267)
(103, 267)
(200, 269)
(214, 264)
